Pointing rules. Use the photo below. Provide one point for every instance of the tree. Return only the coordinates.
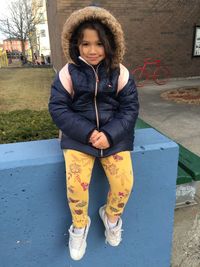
(21, 22)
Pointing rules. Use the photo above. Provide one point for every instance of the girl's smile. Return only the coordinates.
(91, 49)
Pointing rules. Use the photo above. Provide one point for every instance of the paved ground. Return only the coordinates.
(180, 122)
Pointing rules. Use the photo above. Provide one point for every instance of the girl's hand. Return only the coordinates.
(94, 136)
(100, 141)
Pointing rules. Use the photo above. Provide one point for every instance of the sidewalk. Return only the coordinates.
(180, 122)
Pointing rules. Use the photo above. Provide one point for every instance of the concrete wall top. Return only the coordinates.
(48, 151)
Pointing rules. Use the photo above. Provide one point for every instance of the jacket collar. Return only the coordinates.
(83, 61)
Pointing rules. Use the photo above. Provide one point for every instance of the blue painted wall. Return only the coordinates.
(34, 215)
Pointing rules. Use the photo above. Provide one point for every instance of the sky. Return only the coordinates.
(3, 12)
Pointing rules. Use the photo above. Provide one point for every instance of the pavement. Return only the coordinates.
(180, 122)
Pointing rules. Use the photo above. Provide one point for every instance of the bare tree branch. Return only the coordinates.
(22, 20)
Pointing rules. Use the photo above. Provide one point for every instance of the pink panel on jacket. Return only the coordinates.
(123, 78)
(65, 79)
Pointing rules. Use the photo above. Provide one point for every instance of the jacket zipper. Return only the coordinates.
(95, 97)
(95, 102)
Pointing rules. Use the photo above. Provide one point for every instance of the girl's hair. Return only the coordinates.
(105, 35)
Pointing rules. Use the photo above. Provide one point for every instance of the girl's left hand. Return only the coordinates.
(101, 141)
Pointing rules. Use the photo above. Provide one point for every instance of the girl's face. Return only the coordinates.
(91, 49)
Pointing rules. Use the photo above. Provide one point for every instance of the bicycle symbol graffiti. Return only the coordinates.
(160, 74)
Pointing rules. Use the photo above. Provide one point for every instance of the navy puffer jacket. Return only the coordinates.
(84, 99)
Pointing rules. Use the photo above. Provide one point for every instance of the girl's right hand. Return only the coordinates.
(99, 140)
(94, 136)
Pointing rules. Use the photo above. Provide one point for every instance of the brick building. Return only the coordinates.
(153, 28)
(13, 44)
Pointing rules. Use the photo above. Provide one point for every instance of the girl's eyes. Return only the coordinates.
(86, 44)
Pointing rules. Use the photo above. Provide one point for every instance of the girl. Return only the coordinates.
(94, 102)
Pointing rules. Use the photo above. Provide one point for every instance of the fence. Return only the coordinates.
(3, 59)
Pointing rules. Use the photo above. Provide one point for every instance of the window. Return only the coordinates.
(196, 44)
(41, 18)
(40, 3)
(42, 33)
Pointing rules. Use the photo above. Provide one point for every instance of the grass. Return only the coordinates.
(24, 95)
(25, 88)
(26, 125)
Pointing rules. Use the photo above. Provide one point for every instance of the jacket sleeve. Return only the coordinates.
(69, 122)
(126, 116)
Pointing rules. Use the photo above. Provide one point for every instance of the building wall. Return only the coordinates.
(14, 45)
(153, 29)
(43, 44)
(42, 31)
(55, 28)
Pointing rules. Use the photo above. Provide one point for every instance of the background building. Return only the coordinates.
(153, 29)
(13, 44)
(42, 44)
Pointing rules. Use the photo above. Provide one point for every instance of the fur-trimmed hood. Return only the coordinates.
(93, 12)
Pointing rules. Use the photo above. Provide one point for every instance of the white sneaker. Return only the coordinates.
(114, 235)
(77, 242)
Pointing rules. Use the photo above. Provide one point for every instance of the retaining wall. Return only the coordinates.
(34, 215)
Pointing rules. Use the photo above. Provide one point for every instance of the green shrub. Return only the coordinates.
(26, 125)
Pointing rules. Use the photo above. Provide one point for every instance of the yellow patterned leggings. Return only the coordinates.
(118, 169)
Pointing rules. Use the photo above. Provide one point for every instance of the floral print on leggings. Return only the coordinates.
(118, 169)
